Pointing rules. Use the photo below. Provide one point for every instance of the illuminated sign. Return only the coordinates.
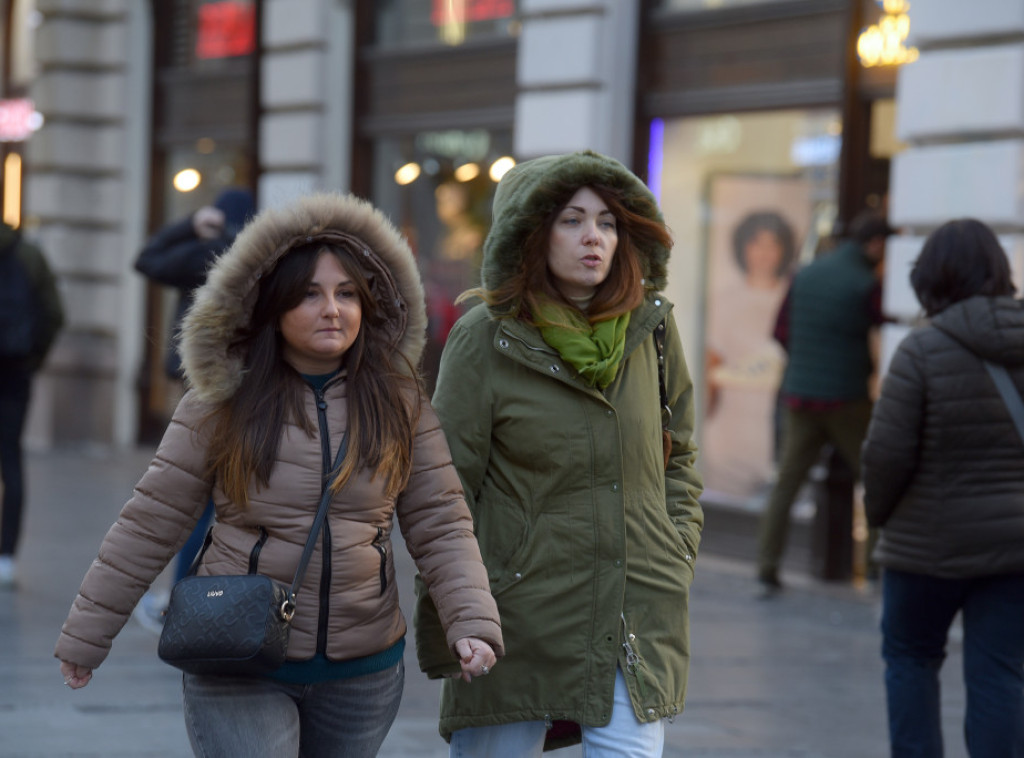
(884, 43)
(226, 29)
(462, 11)
(18, 119)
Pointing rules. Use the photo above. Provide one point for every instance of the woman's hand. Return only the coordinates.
(476, 656)
(76, 676)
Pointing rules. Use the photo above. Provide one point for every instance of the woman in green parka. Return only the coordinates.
(549, 395)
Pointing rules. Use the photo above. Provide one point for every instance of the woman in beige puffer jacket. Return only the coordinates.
(307, 330)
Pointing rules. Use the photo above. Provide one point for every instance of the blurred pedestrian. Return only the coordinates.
(549, 394)
(944, 479)
(824, 324)
(179, 255)
(31, 315)
(306, 332)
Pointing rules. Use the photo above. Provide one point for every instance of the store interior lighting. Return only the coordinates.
(501, 167)
(12, 190)
(407, 174)
(187, 180)
(467, 172)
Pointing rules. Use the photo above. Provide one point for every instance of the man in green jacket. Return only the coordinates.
(30, 317)
(824, 325)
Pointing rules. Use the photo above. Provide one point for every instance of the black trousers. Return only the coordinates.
(15, 390)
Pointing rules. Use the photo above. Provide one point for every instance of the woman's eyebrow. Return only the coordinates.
(580, 209)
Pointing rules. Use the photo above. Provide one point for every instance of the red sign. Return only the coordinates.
(226, 29)
(462, 11)
(18, 119)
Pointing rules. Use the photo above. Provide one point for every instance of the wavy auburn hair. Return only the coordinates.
(247, 428)
(621, 292)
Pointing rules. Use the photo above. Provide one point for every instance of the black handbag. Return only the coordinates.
(236, 625)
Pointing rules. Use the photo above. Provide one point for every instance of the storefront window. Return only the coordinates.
(707, 5)
(196, 173)
(450, 22)
(207, 33)
(748, 197)
(437, 187)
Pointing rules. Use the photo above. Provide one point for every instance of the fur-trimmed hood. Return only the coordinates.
(533, 189)
(223, 306)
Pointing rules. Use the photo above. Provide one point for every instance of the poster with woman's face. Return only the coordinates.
(755, 227)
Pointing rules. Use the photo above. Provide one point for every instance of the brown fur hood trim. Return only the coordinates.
(223, 306)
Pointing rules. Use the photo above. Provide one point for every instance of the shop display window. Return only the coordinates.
(708, 5)
(449, 22)
(207, 34)
(748, 197)
(437, 188)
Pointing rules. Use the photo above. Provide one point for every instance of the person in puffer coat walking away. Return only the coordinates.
(943, 468)
(307, 329)
(549, 396)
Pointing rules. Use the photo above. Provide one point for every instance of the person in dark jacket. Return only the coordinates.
(549, 396)
(943, 471)
(179, 255)
(824, 325)
(16, 371)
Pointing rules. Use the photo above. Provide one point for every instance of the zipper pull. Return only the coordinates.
(634, 666)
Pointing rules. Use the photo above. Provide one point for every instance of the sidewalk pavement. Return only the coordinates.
(798, 676)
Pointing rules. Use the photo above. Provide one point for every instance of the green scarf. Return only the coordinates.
(595, 351)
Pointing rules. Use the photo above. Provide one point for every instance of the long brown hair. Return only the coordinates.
(247, 428)
(622, 290)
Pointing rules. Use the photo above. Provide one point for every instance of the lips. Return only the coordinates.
(591, 261)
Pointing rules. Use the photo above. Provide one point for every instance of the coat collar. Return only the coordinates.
(522, 342)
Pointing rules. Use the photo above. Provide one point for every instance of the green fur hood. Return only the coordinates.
(533, 189)
(223, 306)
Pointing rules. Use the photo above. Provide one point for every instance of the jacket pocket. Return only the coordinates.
(504, 536)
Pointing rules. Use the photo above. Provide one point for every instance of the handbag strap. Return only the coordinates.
(288, 607)
(659, 346)
(1011, 396)
(318, 522)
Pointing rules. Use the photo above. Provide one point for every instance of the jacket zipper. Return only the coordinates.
(546, 350)
(325, 542)
(380, 547)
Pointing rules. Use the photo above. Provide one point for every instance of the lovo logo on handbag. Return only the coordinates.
(215, 593)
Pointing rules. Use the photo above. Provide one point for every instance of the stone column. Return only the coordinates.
(960, 108)
(576, 72)
(86, 190)
(305, 92)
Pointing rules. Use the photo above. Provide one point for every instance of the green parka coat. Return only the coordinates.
(588, 540)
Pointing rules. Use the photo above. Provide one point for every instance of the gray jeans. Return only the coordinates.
(241, 717)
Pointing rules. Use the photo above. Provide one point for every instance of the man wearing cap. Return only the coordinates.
(824, 324)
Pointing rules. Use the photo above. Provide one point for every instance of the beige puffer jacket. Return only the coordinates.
(358, 606)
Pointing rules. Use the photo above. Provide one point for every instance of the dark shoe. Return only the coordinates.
(769, 586)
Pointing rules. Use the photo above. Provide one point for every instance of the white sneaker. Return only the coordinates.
(149, 613)
(6, 571)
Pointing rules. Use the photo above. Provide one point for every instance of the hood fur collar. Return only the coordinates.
(223, 306)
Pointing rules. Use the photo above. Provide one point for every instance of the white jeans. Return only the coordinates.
(623, 737)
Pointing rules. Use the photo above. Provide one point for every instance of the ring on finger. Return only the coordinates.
(485, 670)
